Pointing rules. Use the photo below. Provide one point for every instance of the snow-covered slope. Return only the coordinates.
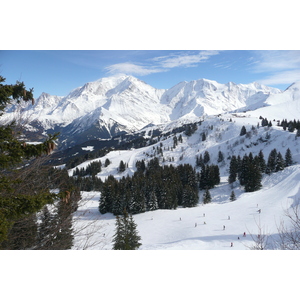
(210, 97)
(282, 105)
(176, 229)
(110, 105)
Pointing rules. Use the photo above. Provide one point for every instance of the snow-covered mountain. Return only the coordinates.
(124, 103)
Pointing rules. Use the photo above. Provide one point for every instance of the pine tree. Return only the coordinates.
(126, 235)
(18, 202)
(122, 167)
(232, 196)
(220, 156)
(262, 162)
(206, 197)
(271, 164)
(243, 131)
(280, 163)
(288, 158)
(253, 178)
(233, 169)
(206, 157)
(190, 197)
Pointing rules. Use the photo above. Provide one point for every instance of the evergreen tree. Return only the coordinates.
(288, 158)
(232, 196)
(280, 163)
(206, 197)
(16, 201)
(262, 162)
(233, 169)
(122, 167)
(120, 232)
(45, 230)
(206, 157)
(126, 235)
(243, 131)
(190, 197)
(152, 202)
(199, 161)
(220, 156)
(253, 178)
(271, 164)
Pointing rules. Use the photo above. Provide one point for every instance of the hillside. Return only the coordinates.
(163, 229)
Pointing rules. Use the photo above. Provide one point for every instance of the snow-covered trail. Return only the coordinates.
(184, 228)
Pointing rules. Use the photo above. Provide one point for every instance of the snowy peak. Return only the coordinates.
(292, 93)
(205, 96)
(126, 102)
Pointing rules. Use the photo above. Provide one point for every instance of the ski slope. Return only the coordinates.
(184, 228)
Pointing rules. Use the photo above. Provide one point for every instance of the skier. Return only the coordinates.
(203, 215)
(180, 218)
(204, 223)
(195, 224)
(259, 211)
(223, 227)
(228, 217)
(231, 245)
(244, 234)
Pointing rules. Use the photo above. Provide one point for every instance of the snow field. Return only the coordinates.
(176, 230)
(163, 229)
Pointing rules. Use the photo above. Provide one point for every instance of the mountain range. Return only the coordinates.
(125, 104)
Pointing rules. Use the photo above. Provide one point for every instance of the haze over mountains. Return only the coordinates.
(113, 105)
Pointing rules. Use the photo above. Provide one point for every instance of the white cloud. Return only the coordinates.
(162, 63)
(184, 60)
(282, 66)
(285, 77)
(129, 68)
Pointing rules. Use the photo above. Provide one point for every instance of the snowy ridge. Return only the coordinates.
(132, 104)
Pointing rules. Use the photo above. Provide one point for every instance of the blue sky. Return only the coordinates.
(57, 72)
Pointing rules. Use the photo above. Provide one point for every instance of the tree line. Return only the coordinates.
(249, 170)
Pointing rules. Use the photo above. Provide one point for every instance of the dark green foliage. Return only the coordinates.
(206, 157)
(280, 163)
(199, 161)
(232, 196)
(25, 184)
(233, 169)
(206, 197)
(253, 180)
(92, 169)
(220, 156)
(122, 167)
(157, 187)
(209, 177)
(107, 163)
(271, 164)
(190, 129)
(140, 166)
(243, 131)
(264, 122)
(288, 158)
(248, 171)
(18, 199)
(262, 162)
(126, 236)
